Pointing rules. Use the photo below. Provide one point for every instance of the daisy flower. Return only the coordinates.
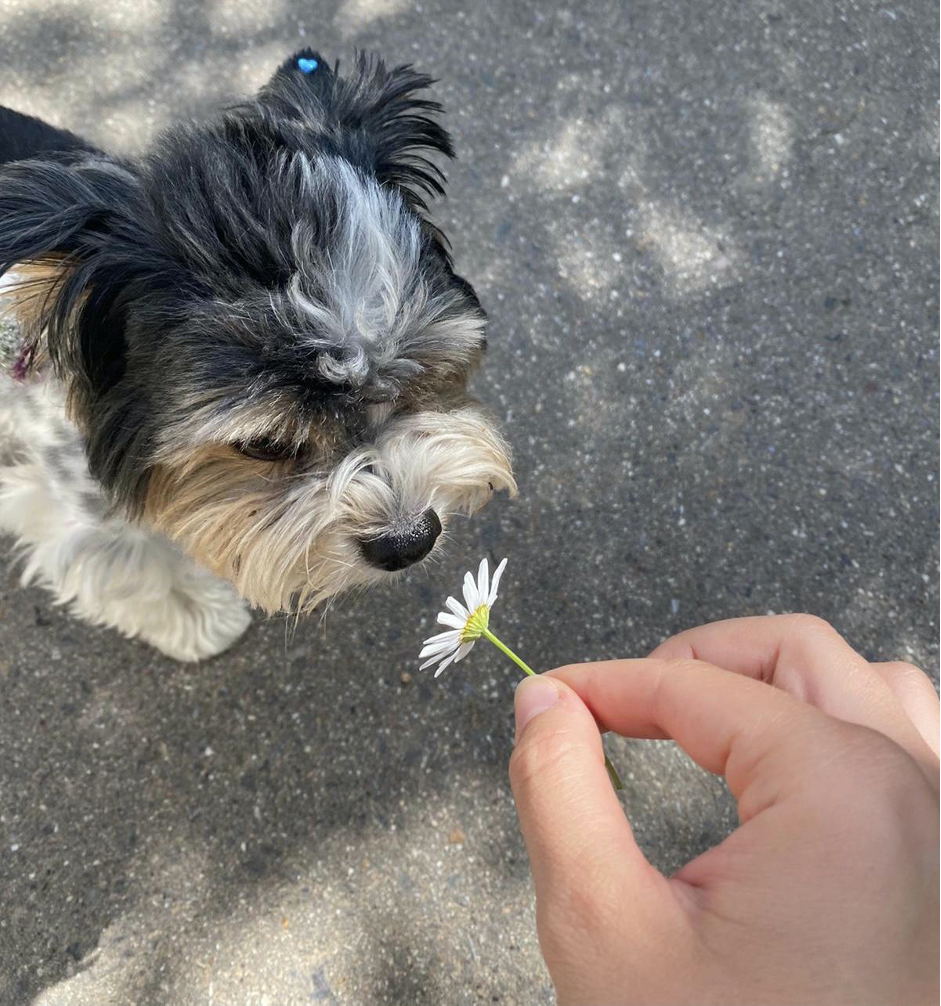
(467, 622)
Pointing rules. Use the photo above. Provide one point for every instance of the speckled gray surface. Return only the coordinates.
(706, 235)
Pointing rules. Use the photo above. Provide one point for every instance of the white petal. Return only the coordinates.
(452, 605)
(438, 648)
(428, 663)
(470, 593)
(450, 634)
(445, 663)
(497, 573)
(483, 580)
(450, 638)
(456, 623)
(464, 649)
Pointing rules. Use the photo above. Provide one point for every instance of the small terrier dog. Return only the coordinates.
(242, 358)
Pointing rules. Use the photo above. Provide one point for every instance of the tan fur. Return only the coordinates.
(30, 290)
(287, 534)
(274, 416)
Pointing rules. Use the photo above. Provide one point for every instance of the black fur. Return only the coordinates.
(172, 261)
(371, 119)
(23, 136)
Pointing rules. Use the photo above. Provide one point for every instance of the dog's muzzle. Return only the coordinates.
(404, 546)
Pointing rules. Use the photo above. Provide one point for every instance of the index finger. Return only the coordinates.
(729, 724)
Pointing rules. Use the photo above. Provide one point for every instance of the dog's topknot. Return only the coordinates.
(374, 118)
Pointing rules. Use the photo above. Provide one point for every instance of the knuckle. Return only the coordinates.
(809, 624)
(678, 667)
(880, 761)
(681, 665)
(909, 674)
(907, 797)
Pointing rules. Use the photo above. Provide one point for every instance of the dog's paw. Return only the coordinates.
(199, 619)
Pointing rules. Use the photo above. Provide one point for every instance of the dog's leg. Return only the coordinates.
(112, 573)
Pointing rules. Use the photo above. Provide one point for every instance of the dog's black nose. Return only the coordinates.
(404, 547)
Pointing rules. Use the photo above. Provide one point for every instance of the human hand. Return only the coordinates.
(827, 892)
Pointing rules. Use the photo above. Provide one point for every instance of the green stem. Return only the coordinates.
(523, 666)
(613, 774)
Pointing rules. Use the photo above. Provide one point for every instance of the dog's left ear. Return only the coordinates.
(68, 231)
(374, 118)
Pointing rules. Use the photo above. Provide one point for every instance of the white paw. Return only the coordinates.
(122, 576)
(199, 620)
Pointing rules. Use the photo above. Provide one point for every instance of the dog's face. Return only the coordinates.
(262, 336)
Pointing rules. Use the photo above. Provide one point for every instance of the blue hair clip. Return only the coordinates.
(307, 65)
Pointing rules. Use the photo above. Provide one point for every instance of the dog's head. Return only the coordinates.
(261, 333)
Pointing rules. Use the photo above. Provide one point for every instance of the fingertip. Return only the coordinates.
(556, 732)
(534, 695)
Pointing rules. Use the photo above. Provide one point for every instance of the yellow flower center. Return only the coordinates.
(477, 621)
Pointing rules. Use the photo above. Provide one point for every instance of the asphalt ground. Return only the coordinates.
(707, 239)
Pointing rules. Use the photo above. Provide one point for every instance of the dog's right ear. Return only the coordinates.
(67, 226)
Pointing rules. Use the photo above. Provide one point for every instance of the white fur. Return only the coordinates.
(370, 300)
(106, 570)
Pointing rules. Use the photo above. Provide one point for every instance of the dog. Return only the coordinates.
(241, 370)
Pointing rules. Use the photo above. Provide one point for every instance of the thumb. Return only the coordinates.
(590, 876)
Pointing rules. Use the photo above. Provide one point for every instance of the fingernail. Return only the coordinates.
(533, 696)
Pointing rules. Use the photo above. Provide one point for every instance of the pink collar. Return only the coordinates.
(23, 361)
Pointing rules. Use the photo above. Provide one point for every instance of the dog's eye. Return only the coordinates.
(266, 449)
